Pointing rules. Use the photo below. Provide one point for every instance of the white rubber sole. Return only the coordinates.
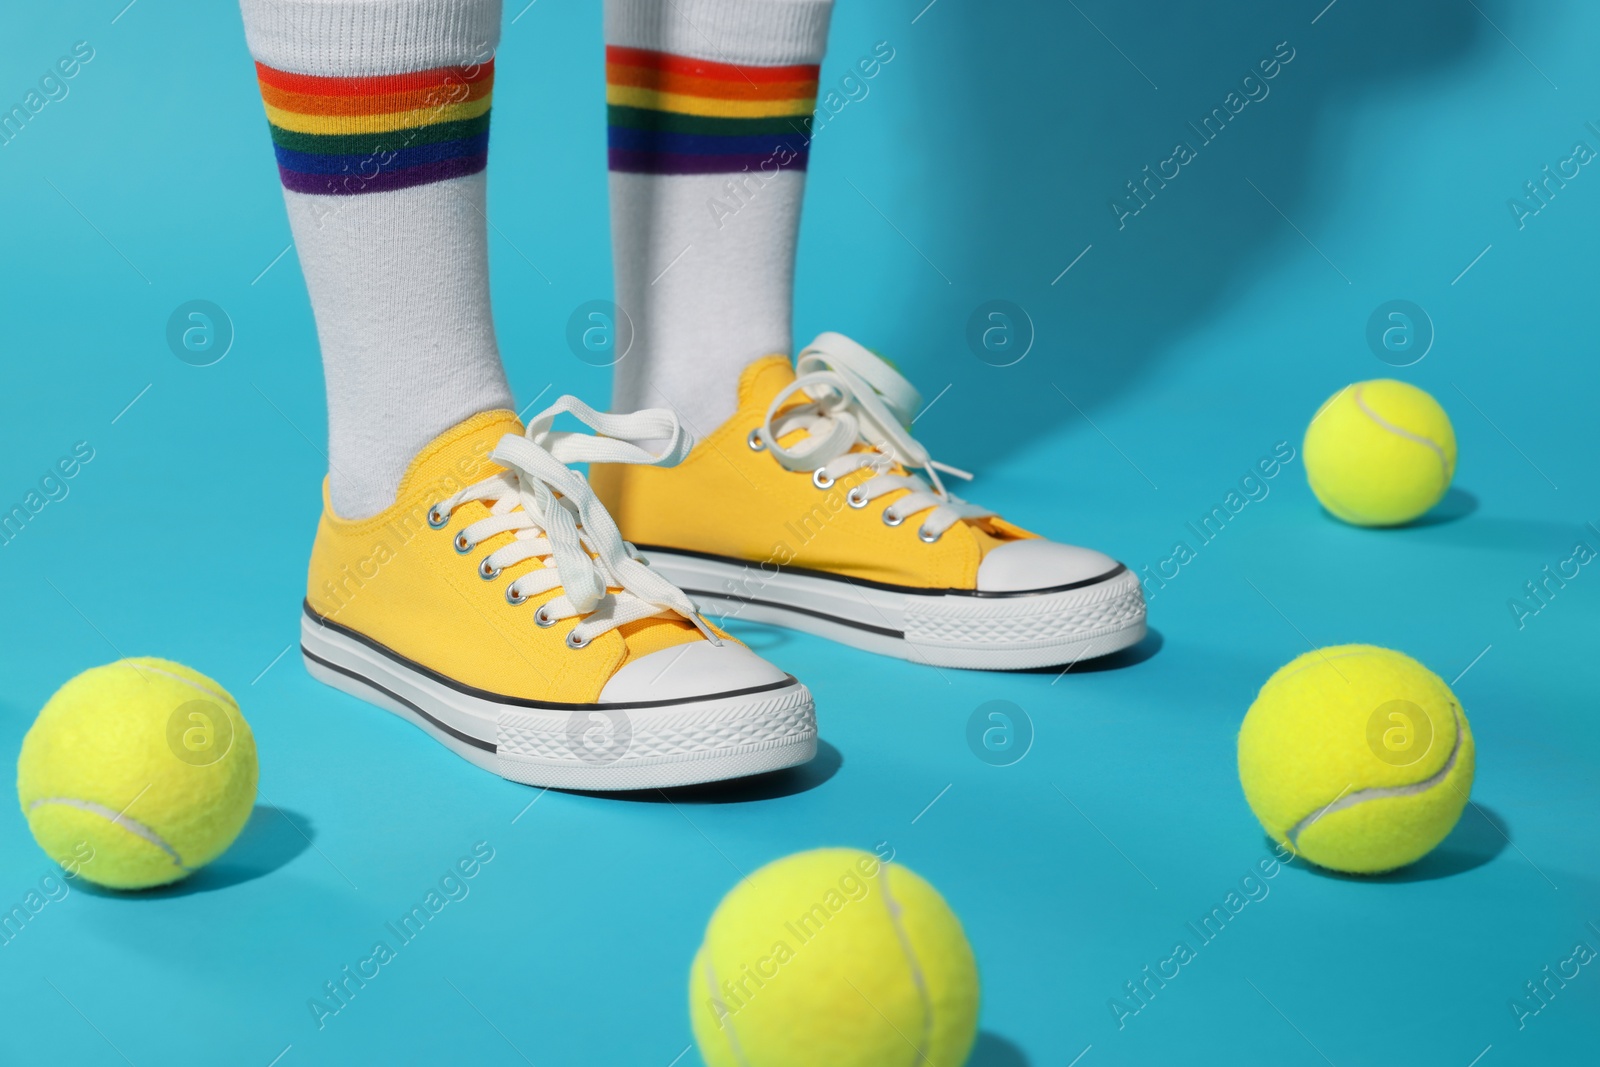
(638, 745)
(944, 628)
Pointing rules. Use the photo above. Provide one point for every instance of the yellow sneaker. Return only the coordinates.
(813, 507)
(496, 607)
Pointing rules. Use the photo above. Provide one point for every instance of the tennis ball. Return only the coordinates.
(1357, 758)
(834, 957)
(1380, 453)
(137, 773)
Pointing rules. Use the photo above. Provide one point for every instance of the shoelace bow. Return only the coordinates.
(555, 517)
(856, 398)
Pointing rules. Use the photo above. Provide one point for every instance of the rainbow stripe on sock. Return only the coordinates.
(343, 136)
(671, 114)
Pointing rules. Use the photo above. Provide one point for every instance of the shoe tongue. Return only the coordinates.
(645, 636)
(763, 379)
(459, 456)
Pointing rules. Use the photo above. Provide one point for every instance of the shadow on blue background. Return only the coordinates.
(1046, 164)
(1478, 838)
(992, 1050)
(1131, 656)
(785, 783)
(270, 839)
(1457, 504)
(1445, 525)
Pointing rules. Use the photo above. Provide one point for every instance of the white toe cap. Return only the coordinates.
(690, 670)
(1019, 566)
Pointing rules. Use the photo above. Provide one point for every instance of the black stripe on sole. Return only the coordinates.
(883, 630)
(888, 587)
(525, 702)
(477, 742)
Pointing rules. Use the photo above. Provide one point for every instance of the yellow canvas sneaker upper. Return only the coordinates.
(461, 580)
(790, 481)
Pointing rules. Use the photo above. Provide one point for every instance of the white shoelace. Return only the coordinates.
(556, 518)
(856, 398)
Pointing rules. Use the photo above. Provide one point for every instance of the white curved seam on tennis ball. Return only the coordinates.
(180, 678)
(726, 1022)
(133, 826)
(1362, 796)
(1444, 464)
(918, 979)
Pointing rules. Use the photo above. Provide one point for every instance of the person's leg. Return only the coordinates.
(379, 112)
(709, 104)
(463, 576)
(807, 502)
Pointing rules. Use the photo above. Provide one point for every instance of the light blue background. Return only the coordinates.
(1189, 343)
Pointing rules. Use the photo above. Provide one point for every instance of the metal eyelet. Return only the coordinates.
(856, 498)
(512, 596)
(463, 546)
(922, 535)
(821, 480)
(486, 572)
(437, 519)
(574, 641)
(542, 618)
(891, 519)
(755, 442)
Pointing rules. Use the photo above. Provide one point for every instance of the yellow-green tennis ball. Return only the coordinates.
(1357, 758)
(137, 773)
(1380, 453)
(834, 958)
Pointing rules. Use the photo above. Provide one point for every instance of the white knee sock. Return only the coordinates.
(379, 113)
(710, 105)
